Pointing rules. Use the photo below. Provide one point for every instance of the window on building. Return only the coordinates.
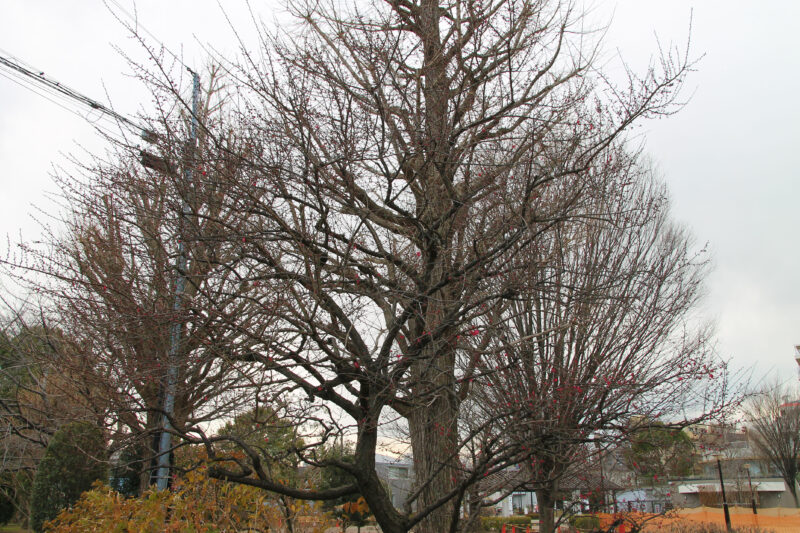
(398, 472)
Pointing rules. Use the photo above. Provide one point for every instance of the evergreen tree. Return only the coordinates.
(6, 509)
(75, 458)
(126, 474)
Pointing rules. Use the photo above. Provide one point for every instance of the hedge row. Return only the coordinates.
(495, 523)
(584, 521)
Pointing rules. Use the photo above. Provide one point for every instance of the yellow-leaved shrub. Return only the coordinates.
(196, 504)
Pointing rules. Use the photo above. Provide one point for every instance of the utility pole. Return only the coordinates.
(724, 500)
(165, 444)
(750, 481)
(39, 77)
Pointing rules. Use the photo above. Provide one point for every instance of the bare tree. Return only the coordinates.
(403, 154)
(774, 418)
(595, 341)
(36, 394)
(106, 273)
(395, 161)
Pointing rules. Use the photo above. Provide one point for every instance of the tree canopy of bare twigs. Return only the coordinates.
(404, 155)
(398, 168)
(105, 274)
(774, 420)
(596, 338)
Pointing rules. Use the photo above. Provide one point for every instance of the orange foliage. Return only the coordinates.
(196, 504)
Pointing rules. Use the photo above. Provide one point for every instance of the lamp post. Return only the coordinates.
(724, 500)
(797, 357)
(752, 494)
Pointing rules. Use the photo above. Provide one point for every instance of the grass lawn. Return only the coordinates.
(13, 529)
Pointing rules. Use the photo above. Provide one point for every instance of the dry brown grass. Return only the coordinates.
(692, 527)
(711, 520)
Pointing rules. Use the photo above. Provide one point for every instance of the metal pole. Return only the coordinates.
(752, 495)
(724, 500)
(602, 482)
(165, 444)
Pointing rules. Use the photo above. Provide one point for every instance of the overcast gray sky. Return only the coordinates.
(729, 157)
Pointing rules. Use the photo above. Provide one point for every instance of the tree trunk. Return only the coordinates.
(433, 422)
(545, 497)
(150, 451)
(434, 438)
(370, 485)
(472, 519)
(793, 489)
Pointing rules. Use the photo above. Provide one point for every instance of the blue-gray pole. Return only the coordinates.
(165, 444)
(724, 500)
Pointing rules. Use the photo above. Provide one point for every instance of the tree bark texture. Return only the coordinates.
(545, 498)
(434, 438)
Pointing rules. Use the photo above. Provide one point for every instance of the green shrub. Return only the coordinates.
(584, 521)
(6, 509)
(15, 490)
(495, 523)
(75, 458)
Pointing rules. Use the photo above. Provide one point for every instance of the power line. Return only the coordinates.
(55, 88)
(61, 101)
(94, 122)
(56, 97)
(43, 94)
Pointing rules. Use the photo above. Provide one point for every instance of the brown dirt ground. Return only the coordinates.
(778, 520)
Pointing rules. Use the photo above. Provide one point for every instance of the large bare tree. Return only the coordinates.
(403, 153)
(395, 164)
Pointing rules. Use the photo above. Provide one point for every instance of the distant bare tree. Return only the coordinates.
(37, 395)
(774, 420)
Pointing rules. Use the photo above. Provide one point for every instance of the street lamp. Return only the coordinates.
(750, 481)
(797, 356)
(724, 500)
